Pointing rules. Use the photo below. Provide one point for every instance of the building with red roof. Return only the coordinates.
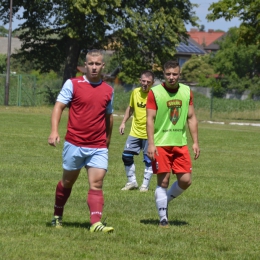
(207, 39)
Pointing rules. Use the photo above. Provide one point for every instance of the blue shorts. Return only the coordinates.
(74, 157)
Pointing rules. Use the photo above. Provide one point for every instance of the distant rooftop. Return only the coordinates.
(191, 47)
(205, 38)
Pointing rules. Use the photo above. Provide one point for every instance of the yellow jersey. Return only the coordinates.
(138, 103)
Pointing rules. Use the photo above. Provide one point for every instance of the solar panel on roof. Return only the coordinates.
(189, 48)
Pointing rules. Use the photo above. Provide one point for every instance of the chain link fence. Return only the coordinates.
(22, 90)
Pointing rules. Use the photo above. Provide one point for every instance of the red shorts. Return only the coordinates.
(172, 158)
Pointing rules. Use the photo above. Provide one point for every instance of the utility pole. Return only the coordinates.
(8, 56)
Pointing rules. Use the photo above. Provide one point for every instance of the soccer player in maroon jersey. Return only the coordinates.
(87, 139)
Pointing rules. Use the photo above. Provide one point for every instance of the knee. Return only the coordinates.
(67, 184)
(163, 180)
(164, 184)
(97, 185)
(184, 184)
(128, 158)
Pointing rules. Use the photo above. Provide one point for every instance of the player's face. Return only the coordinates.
(171, 77)
(94, 66)
(146, 83)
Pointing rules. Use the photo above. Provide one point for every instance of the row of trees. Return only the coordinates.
(143, 32)
(57, 34)
(233, 66)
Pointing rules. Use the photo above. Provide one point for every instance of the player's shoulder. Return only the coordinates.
(76, 80)
(184, 85)
(136, 90)
(156, 87)
(107, 86)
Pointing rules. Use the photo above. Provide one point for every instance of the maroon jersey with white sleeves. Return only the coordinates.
(87, 109)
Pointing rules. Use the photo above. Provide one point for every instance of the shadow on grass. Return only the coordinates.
(156, 222)
(72, 224)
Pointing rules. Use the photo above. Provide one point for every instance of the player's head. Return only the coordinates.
(171, 72)
(94, 65)
(146, 80)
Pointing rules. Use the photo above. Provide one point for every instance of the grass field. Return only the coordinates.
(218, 217)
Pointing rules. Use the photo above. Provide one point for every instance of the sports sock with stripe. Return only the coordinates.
(95, 201)
(61, 196)
(174, 191)
(161, 202)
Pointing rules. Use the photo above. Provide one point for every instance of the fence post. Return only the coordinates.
(17, 95)
(34, 90)
(211, 102)
(20, 90)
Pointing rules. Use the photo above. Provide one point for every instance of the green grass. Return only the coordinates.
(218, 217)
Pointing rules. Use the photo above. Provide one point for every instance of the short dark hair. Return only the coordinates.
(171, 64)
(148, 73)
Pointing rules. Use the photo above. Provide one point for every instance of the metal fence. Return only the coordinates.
(22, 90)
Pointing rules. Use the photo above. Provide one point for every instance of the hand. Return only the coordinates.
(122, 128)
(151, 151)
(54, 139)
(196, 151)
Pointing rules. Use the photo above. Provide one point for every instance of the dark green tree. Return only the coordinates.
(55, 32)
(202, 28)
(236, 60)
(196, 68)
(247, 12)
(237, 63)
(3, 59)
(3, 31)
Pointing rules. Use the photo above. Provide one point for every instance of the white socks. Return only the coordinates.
(148, 173)
(174, 191)
(163, 197)
(161, 202)
(130, 173)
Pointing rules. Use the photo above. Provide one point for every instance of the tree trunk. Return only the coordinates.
(72, 55)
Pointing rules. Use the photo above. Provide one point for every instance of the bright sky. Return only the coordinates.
(202, 12)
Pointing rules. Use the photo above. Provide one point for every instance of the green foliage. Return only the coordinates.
(3, 59)
(21, 66)
(236, 61)
(202, 28)
(241, 49)
(121, 99)
(237, 64)
(225, 105)
(32, 89)
(197, 67)
(248, 14)
(150, 43)
(48, 85)
(216, 218)
(254, 86)
(3, 31)
(111, 63)
(56, 32)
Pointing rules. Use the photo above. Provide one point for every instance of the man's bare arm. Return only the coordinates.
(109, 127)
(193, 128)
(128, 113)
(150, 116)
(54, 137)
